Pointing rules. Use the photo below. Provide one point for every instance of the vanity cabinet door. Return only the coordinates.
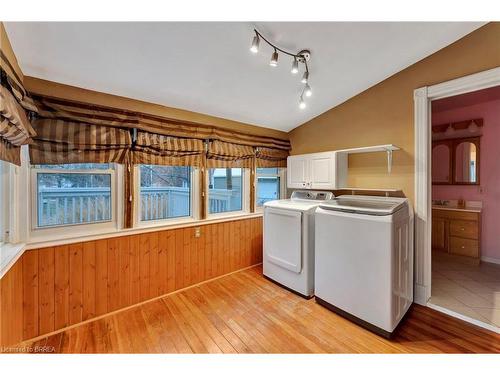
(439, 234)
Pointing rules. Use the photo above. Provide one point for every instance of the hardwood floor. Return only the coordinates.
(245, 313)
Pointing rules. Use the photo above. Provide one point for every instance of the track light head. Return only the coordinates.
(308, 90)
(305, 77)
(302, 103)
(274, 59)
(255, 44)
(295, 66)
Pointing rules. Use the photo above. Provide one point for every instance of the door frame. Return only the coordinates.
(423, 187)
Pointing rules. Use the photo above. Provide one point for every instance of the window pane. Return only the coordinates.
(224, 189)
(267, 170)
(73, 198)
(268, 189)
(165, 192)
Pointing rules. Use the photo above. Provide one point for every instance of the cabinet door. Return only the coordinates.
(438, 234)
(322, 173)
(297, 172)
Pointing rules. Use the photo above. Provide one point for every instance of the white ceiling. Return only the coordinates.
(207, 67)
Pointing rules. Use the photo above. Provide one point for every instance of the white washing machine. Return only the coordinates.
(364, 259)
(289, 240)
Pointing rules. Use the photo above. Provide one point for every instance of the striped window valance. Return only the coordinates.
(15, 128)
(11, 80)
(270, 157)
(70, 110)
(229, 155)
(164, 150)
(58, 142)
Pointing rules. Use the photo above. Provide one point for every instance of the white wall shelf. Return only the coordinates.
(388, 148)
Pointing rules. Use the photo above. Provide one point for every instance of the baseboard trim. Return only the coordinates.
(490, 260)
(25, 342)
(465, 318)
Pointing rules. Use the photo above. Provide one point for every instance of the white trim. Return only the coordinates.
(68, 231)
(490, 260)
(9, 254)
(193, 203)
(423, 204)
(245, 196)
(465, 318)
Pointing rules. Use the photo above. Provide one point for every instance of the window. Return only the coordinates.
(165, 192)
(268, 185)
(69, 194)
(225, 190)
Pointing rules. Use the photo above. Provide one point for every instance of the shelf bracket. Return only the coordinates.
(389, 160)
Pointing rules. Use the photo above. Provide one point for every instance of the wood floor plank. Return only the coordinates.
(246, 313)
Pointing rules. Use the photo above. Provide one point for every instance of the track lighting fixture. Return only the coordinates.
(308, 90)
(255, 44)
(305, 77)
(295, 66)
(274, 59)
(302, 103)
(301, 57)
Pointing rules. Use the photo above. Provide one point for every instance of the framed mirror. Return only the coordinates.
(441, 163)
(456, 161)
(466, 161)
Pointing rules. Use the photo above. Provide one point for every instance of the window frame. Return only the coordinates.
(194, 202)
(282, 188)
(245, 196)
(56, 232)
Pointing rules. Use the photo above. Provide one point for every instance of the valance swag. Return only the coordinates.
(69, 110)
(229, 155)
(164, 150)
(15, 128)
(270, 157)
(59, 141)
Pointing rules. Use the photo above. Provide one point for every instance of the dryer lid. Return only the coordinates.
(364, 204)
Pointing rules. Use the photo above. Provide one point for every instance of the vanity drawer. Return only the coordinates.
(464, 229)
(464, 246)
(455, 214)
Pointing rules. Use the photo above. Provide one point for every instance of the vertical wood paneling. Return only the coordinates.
(52, 288)
(61, 288)
(124, 273)
(30, 294)
(75, 283)
(153, 265)
(171, 260)
(101, 277)
(113, 274)
(89, 280)
(46, 278)
(11, 305)
(162, 262)
(135, 276)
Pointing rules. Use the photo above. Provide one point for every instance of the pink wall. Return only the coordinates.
(489, 190)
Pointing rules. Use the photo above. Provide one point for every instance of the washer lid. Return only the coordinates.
(365, 204)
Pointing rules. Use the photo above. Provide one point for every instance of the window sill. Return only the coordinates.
(9, 254)
(139, 230)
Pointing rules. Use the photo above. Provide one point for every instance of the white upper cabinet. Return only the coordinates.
(312, 171)
(297, 171)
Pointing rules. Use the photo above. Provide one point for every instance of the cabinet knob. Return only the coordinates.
(463, 247)
(462, 228)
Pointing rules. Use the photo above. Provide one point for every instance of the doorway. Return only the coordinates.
(425, 97)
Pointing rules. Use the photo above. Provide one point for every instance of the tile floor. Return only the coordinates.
(467, 289)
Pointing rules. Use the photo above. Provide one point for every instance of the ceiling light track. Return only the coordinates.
(302, 57)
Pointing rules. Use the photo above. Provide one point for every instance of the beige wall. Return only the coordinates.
(7, 49)
(384, 113)
(54, 89)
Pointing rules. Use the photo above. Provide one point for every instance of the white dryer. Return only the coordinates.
(364, 259)
(289, 240)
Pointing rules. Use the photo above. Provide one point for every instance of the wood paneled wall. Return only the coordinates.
(52, 288)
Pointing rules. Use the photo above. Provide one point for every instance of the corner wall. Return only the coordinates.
(384, 113)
